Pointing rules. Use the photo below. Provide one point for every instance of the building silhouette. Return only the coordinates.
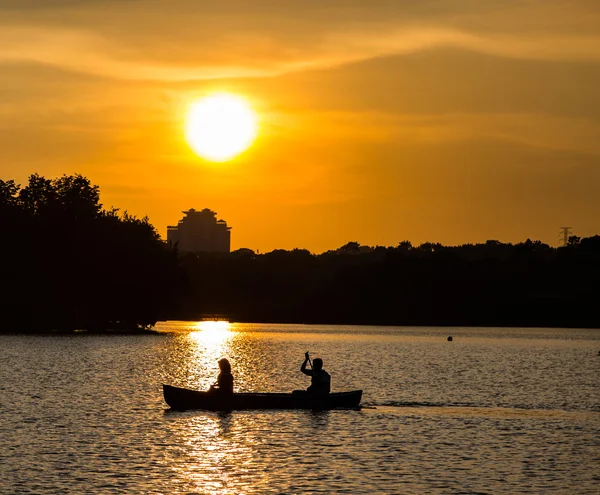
(200, 231)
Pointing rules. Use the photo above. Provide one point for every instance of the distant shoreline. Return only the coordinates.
(150, 331)
(153, 331)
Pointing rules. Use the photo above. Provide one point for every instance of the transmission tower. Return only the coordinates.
(566, 232)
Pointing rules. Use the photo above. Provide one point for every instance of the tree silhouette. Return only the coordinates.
(69, 264)
(493, 283)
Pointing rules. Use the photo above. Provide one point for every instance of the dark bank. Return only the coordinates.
(69, 264)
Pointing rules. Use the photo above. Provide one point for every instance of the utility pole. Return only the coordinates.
(566, 232)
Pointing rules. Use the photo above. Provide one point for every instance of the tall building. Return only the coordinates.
(200, 231)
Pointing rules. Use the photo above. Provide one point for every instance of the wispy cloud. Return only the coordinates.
(222, 47)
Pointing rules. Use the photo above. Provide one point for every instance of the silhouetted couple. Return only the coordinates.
(320, 383)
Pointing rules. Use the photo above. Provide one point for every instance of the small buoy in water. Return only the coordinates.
(450, 338)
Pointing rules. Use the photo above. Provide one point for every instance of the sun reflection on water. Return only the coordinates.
(210, 341)
(211, 332)
(211, 454)
(215, 454)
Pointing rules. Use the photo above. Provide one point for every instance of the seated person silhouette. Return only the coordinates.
(224, 384)
(320, 383)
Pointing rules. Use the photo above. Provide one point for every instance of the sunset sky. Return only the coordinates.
(449, 121)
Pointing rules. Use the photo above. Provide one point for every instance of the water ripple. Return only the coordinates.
(488, 413)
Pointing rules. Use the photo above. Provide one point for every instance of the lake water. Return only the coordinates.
(495, 411)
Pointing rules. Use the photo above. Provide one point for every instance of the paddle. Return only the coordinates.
(309, 361)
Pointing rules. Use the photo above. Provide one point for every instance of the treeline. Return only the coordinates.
(525, 284)
(66, 263)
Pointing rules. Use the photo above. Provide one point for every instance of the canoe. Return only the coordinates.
(183, 398)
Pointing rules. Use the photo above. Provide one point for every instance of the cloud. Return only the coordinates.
(533, 130)
(140, 40)
(86, 52)
(28, 5)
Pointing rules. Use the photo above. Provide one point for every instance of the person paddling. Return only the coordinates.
(224, 383)
(321, 380)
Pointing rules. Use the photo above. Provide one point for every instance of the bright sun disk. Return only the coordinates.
(220, 126)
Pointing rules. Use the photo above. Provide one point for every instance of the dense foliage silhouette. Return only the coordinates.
(67, 263)
(526, 284)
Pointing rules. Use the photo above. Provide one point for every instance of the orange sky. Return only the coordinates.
(455, 121)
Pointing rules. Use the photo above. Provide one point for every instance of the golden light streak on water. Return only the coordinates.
(209, 342)
(500, 410)
(211, 332)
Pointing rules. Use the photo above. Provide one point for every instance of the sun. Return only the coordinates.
(220, 126)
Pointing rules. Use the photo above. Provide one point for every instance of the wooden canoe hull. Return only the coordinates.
(182, 399)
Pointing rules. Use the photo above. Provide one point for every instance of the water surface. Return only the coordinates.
(494, 411)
